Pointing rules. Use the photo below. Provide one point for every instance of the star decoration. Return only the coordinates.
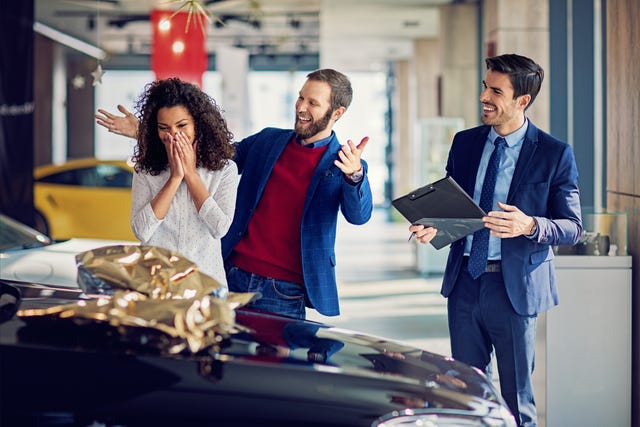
(78, 81)
(97, 75)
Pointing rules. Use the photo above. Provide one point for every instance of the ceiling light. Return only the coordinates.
(164, 25)
(177, 47)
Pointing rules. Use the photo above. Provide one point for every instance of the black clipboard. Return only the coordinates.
(443, 204)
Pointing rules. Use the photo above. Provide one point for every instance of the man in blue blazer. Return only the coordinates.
(293, 184)
(495, 290)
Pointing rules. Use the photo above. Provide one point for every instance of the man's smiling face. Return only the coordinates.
(313, 111)
(499, 108)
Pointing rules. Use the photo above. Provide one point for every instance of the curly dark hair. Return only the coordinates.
(214, 139)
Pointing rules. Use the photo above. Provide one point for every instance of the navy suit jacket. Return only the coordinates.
(545, 186)
(328, 193)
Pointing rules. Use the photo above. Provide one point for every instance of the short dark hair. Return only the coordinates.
(526, 76)
(341, 92)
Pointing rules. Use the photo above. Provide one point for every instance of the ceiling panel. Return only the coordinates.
(348, 34)
(360, 38)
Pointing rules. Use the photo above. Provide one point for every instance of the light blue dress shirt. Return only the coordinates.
(503, 181)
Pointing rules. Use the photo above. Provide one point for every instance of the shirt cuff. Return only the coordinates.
(356, 177)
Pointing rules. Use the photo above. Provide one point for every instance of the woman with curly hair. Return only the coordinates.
(184, 185)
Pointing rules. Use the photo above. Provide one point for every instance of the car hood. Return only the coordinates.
(52, 264)
(282, 370)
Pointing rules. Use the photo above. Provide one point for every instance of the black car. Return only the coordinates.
(275, 371)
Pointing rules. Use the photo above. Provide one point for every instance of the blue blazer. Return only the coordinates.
(328, 193)
(544, 185)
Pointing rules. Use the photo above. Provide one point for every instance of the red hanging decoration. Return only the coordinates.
(178, 47)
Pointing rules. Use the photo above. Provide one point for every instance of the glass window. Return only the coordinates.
(70, 177)
(272, 97)
(118, 87)
(15, 235)
(113, 176)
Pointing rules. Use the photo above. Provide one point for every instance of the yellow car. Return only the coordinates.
(84, 198)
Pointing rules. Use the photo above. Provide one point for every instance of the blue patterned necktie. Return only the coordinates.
(480, 242)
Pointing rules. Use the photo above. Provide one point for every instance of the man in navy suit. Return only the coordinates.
(494, 295)
(281, 243)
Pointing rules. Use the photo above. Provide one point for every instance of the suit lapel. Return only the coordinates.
(323, 168)
(271, 155)
(276, 149)
(529, 147)
(476, 146)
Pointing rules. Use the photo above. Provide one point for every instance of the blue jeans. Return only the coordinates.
(276, 296)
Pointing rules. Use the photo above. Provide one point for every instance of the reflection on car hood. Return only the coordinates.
(51, 265)
(281, 371)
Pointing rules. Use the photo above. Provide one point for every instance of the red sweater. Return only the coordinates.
(271, 247)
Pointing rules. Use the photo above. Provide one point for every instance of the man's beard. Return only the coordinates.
(314, 127)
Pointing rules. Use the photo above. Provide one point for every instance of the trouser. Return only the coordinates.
(481, 320)
(276, 296)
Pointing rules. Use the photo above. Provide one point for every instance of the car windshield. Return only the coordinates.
(14, 235)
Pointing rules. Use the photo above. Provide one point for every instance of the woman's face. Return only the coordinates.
(172, 120)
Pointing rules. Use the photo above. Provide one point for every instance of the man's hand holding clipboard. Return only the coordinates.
(444, 209)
